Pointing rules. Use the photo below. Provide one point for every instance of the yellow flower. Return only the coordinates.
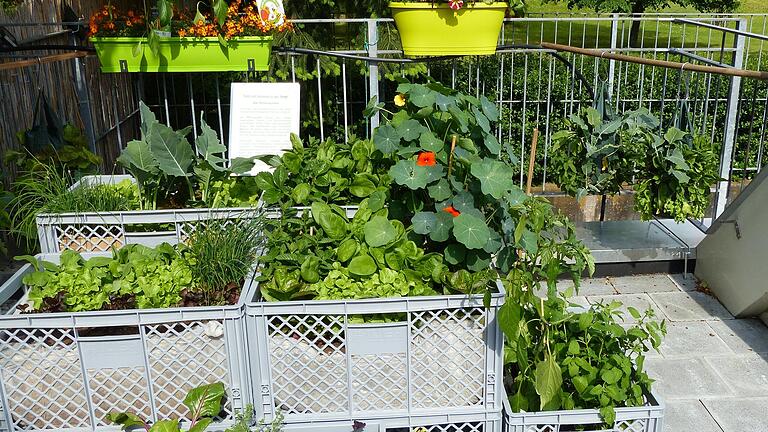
(419, 429)
(400, 101)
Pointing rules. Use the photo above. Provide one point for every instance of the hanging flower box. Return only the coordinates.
(176, 54)
(450, 28)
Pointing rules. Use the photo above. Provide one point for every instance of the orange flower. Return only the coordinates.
(452, 211)
(426, 158)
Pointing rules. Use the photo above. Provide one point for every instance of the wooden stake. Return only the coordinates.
(532, 160)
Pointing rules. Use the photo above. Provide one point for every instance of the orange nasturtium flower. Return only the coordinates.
(400, 100)
(426, 158)
(452, 211)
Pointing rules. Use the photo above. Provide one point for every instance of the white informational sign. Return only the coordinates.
(262, 118)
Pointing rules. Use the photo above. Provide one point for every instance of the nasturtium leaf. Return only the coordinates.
(471, 231)
(379, 231)
(429, 142)
(376, 200)
(495, 177)
(423, 222)
(440, 191)
(467, 144)
(460, 117)
(548, 380)
(455, 253)
(463, 201)
(333, 224)
(410, 129)
(443, 101)
(481, 120)
(346, 250)
(478, 260)
(492, 144)
(362, 265)
(494, 243)
(442, 228)
(362, 186)
(490, 109)
(422, 96)
(434, 173)
(386, 139)
(407, 173)
(516, 196)
(300, 193)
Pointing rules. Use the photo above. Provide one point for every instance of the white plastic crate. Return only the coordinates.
(647, 418)
(60, 371)
(99, 232)
(489, 422)
(314, 361)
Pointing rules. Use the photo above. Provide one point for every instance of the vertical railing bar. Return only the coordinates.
(320, 99)
(346, 102)
(218, 109)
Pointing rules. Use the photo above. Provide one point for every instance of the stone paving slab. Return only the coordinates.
(641, 302)
(593, 286)
(686, 378)
(747, 374)
(739, 414)
(643, 284)
(695, 338)
(743, 335)
(688, 416)
(684, 283)
(688, 306)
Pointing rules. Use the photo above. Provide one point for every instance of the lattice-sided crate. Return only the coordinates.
(646, 418)
(98, 232)
(67, 371)
(488, 422)
(317, 361)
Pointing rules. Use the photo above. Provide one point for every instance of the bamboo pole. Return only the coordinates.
(532, 159)
(660, 63)
(41, 60)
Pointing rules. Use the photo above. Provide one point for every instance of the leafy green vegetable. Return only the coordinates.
(338, 173)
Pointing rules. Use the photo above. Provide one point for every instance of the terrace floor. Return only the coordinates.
(712, 371)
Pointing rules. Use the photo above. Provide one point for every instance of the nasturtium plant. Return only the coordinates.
(340, 173)
(452, 180)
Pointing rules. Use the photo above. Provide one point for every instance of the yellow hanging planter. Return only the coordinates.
(431, 29)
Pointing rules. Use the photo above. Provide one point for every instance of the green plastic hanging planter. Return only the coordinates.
(251, 53)
(429, 29)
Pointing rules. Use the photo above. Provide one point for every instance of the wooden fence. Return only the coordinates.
(109, 99)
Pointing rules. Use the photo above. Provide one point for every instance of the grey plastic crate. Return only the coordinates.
(647, 418)
(488, 422)
(57, 370)
(98, 232)
(314, 362)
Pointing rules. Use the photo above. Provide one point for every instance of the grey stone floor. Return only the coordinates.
(712, 371)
